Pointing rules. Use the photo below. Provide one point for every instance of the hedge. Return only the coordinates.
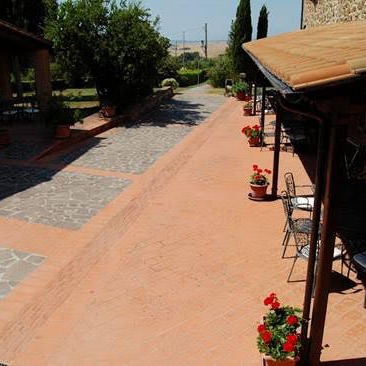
(190, 77)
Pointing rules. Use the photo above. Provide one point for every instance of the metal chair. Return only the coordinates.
(301, 230)
(292, 225)
(299, 202)
(228, 87)
(359, 261)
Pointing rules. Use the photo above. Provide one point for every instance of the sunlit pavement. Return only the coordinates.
(173, 267)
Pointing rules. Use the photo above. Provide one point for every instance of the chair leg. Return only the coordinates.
(285, 242)
(292, 268)
(284, 227)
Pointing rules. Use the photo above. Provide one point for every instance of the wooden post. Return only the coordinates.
(5, 80)
(276, 155)
(325, 260)
(255, 100)
(263, 108)
(43, 76)
(323, 142)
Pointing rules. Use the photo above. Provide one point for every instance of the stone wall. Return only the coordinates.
(318, 12)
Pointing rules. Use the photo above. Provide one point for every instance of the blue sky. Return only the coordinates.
(177, 16)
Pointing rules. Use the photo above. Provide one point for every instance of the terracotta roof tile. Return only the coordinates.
(316, 56)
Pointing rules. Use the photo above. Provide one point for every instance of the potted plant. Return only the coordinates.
(254, 134)
(259, 182)
(248, 108)
(109, 110)
(61, 116)
(278, 337)
(240, 89)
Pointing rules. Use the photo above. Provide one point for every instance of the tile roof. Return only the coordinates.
(316, 56)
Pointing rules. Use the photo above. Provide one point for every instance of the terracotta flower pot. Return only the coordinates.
(269, 361)
(62, 131)
(258, 191)
(109, 110)
(247, 111)
(241, 96)
(254, 141)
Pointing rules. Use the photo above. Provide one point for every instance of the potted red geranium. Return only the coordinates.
(254, 134)
(259, 182)
(278, 337)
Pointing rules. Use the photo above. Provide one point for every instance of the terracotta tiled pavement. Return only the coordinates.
(172, 272)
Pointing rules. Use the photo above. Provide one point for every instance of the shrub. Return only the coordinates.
(170, 82)
(191, 77)
(221, 71)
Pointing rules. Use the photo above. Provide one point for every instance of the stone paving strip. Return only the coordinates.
(131, 150)
(62, 199)
(14, 267)
(134, 149)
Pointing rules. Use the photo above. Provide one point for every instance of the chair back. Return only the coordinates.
(290, 184)
(287, 208)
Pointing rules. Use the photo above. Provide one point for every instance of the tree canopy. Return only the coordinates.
(241, 31)
(117, 43)
(262, 27)
(27, 14)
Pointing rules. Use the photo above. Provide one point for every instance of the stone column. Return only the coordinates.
(43, 76)
(5, 80)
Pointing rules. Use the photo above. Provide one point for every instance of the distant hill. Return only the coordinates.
(214, 48)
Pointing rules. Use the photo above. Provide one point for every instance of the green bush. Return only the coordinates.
(59, 113)
(191, 77)
(221, 71)
(170, 82)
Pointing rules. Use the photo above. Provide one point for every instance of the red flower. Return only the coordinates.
(259, 171)
(292, 320)
(256, 127)
(261, 328)
(288, 347)
(266, 336)
(267, 171)
(268, 301)
(255, 167)
(292, 338)
(275, 305)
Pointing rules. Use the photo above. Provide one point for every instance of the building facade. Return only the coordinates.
(319, 12)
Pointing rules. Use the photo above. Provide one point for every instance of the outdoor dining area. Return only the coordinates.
(320, 111)
(19, 109)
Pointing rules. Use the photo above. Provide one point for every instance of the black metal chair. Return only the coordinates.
(292, 225)
(299, 202)
(359, 261)
(301, 230)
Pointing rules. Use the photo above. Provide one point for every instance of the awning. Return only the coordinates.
(311, 57)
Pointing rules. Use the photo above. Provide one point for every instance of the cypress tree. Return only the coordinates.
(241, 31)
(262, 27)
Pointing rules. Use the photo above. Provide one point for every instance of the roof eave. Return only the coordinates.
(282, 87)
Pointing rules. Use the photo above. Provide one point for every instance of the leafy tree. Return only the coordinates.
(262, 27)
(117, 43)
(241, 31)
(221, 71)
(169, 68)
(27, 14)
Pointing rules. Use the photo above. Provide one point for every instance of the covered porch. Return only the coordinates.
(320, 78)
(15, 45)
